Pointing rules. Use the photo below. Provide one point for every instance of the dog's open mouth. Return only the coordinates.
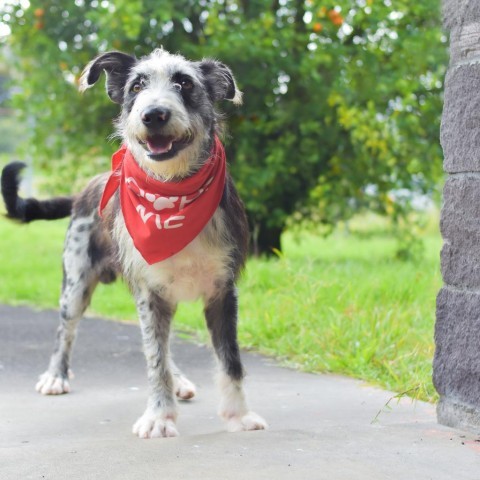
(164, 147)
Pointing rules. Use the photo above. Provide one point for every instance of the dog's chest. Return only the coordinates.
(192, 273)
(196, 271)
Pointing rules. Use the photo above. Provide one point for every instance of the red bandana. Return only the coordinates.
(164, 217)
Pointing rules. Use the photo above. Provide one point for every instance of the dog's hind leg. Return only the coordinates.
(184, 388)
(221, 316)
(155, 315)
(79, 281)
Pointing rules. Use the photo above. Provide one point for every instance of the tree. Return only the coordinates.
(342, 100)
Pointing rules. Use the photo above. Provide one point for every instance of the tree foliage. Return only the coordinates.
(342, 100)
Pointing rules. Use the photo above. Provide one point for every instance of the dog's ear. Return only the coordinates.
(117, 66)
(220, 81)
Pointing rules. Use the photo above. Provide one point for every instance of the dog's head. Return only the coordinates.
(168, 117)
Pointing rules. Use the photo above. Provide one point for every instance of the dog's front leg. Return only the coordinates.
(155, 315)
(221, 316)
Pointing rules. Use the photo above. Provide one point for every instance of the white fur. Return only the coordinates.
(184, 388)
(162, 62)
(249, 421)
(159, 67)
(178, 167)
(83, 81)
(232, 398)
(154, 425)
(49, 384)
(190, 274)
(233, 407)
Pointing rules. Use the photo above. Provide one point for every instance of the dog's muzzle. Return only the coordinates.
(158, 145)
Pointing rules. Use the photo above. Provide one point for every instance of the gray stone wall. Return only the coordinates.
(456, 367)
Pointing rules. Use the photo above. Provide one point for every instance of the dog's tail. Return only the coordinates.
(26, 210)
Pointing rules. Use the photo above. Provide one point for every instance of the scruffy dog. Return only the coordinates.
(167, 218)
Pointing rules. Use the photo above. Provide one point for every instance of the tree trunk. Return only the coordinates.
(265, 241)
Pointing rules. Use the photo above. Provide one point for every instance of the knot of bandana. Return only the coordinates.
(164, 217)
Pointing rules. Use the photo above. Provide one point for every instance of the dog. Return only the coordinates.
(122, 225)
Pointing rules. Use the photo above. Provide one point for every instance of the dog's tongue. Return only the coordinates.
(159, 144)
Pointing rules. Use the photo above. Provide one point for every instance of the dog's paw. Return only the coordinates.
(150, 425)
(49, 384)
(249, 421)
(184, 388)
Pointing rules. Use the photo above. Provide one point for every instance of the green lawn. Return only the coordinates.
(341, 304)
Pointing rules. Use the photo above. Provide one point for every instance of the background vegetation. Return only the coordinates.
(341, 117)
(342, 99)
(343, 304)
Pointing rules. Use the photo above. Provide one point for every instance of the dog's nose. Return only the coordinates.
(155, 117)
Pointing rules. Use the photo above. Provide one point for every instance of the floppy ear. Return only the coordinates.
(117, 66)
(220, 81)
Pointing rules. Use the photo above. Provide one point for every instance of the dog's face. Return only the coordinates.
(168, 117)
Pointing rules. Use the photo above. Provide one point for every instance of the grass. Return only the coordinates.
(342, 304)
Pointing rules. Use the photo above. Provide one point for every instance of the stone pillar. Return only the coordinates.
(456, 366)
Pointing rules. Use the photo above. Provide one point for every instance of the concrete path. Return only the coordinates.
(320, 425)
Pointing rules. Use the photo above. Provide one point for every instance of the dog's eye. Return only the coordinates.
(183, 84)
(139, 85)
(186, 84)
(136, 87)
